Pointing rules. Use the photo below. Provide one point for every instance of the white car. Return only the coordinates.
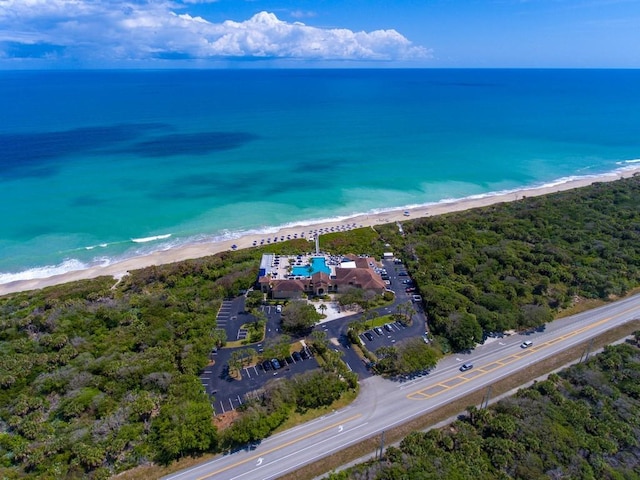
(526, 344)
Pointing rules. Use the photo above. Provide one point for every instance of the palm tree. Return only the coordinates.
(369, 315)
(323, 308)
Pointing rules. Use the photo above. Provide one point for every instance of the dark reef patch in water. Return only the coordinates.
(33, 154)
(191, 143)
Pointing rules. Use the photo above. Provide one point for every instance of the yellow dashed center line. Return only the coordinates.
(434, 390)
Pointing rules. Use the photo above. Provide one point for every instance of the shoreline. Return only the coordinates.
(120, 269)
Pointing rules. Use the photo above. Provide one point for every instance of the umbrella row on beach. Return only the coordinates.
(311, 233)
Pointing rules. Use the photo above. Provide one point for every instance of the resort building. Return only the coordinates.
(285, 277)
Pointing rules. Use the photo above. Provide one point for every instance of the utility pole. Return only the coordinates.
(486, 398)
(379, 456)
(586, 356)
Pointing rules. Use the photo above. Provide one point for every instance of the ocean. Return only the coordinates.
(98, 166)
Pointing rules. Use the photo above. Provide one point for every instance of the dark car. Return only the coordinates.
(466, 366)
(266, 365)
(276, 364)
(403, 274)
(304, 353)
(369, 336)
(296, 356)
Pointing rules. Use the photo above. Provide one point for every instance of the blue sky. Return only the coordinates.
(333, 33)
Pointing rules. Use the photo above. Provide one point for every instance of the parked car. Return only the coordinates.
(276, 364)
(368, 336)
(304, 353)
(388, 328)
(466, 366)
(278, 308)
(403, 274)
(378, 330)
(410, 289)
(526, 344)
(296, 356)
(266, 365)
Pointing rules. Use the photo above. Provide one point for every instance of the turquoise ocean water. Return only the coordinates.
(97, 166)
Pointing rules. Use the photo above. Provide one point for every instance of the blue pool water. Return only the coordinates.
(318, 264)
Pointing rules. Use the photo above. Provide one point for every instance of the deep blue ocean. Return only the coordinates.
(96, 166)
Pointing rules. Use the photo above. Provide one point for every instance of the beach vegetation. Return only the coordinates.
(517, 265)
(96, 378)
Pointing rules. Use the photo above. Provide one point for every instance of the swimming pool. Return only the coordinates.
(318, 264)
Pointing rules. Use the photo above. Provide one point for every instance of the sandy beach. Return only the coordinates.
(118, 270)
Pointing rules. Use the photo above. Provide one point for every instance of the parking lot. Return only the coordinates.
(229, 393)
(383, 336)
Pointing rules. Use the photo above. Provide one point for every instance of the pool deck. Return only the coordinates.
(280, 266)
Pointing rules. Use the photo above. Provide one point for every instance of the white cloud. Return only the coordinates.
(302, 14)
(93, 31)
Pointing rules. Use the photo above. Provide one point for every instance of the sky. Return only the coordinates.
(73, 34)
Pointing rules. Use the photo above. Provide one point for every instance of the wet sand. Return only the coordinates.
(118, 270)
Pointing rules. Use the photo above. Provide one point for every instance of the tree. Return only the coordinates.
(369, 315)
(254, 299)
(463, 331)
(219, 336)
(183, 428)
(298, 316)
(320, 341)
(532, 316)
(416, 356)
(405, 312)
(277, 347)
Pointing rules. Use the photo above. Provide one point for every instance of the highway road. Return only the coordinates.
(383, 404)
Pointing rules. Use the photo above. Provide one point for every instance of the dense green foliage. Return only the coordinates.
(583, 423)
(513, 265)
(298, 316)
(274, 403)
(407, 357)
(95, 380)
